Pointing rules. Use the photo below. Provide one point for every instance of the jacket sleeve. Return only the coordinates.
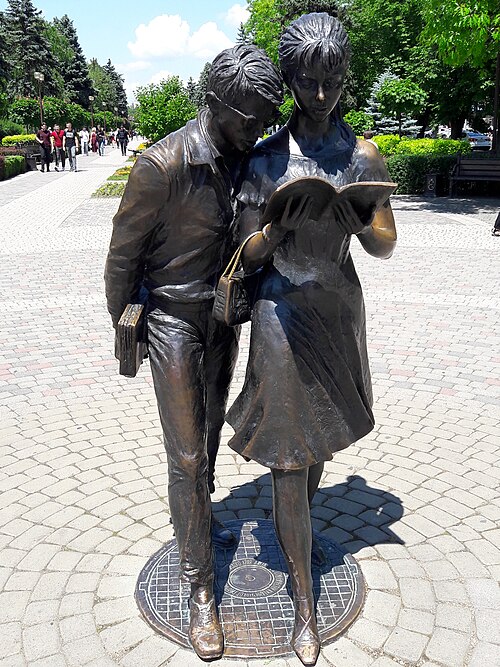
(141, 209)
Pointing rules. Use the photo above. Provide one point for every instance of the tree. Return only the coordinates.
(360, 121)
(466, 32)
(162, 108)
(198, 95)
(27, 49)
(400, 97)
(102, 84)
(120, 95)
(71, 62)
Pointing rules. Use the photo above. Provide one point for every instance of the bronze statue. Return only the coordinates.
(307, 391)
(172, 235)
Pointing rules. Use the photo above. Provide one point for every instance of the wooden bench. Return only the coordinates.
(475, 169)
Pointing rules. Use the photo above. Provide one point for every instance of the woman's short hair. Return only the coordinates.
(245, 70)
(313, 37)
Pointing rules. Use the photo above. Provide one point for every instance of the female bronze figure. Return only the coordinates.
(307, 390)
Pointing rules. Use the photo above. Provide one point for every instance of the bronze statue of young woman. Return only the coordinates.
(307, 391)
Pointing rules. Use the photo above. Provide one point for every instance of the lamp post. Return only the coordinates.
(91, 100)
(40, 77)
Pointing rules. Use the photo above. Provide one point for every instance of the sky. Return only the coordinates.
(148, 40)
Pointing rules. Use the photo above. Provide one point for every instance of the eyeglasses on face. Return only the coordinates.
(250, 121)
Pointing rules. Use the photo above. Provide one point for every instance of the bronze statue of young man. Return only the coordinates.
(172, 235)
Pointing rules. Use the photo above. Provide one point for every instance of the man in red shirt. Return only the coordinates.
(43, 138)
(56, 138)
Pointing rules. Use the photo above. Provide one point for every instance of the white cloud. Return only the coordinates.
(136, 66)
(208, 41)
(236, 15)
(165, 35)
(160, 76)
(170, 36)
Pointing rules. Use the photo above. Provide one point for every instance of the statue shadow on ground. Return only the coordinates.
(466, 204)
(354, 512)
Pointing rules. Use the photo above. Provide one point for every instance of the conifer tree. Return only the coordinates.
(75, 71)
(119, 91)
(27, 49)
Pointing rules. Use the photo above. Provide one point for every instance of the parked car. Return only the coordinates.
(477, 140)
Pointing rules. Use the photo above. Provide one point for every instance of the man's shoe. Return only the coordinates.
(222, 536)
(205, 632)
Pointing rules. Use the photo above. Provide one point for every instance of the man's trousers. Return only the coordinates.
(192, 362)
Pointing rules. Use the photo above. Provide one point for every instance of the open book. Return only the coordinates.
(365, 196)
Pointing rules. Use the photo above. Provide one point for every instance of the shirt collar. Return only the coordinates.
(200, 148)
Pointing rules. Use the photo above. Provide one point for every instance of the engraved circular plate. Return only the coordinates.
(252, 593)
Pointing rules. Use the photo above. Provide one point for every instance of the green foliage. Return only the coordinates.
(286, 109)
(400, 97)
(464, 31)
(19, 139)
(360, 121)
(11, 165)
(27, 49)
(264, 26)
(409, 171)
(71, 64)
(163, 108)
(8, 127)
(25, 111)
(391, 144)
(110, 189)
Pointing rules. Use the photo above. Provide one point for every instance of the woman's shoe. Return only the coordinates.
(305, 639)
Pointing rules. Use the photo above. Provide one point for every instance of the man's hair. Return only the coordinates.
(368, 134)
(245, 70)
(312, 37)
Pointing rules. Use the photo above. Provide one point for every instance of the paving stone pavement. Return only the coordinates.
(83, 473)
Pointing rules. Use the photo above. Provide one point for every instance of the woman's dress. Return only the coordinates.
(307, 390)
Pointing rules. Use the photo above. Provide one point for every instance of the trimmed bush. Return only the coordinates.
(7, 127)
(19, 139)
(11, 165)
(360, 121)
(391, 144)
(409, 171)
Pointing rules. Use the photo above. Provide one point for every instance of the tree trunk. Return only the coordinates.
(423, 120)
(495, 145)
(457, 125)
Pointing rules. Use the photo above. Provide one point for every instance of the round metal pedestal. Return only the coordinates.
(252, 593)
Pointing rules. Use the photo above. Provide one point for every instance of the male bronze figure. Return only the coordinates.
(173, 235)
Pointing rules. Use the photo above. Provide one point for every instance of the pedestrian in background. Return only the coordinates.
(101, 140)
(122, 137)
(70, 144)
(56, 139)
(93, 140)
(84, 140)
(43, 138)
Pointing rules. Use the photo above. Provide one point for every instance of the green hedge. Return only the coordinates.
(409, 171)
(7, 128)
(391, 144)
(20, 139)
(11, 165)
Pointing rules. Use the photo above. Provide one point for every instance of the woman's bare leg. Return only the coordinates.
(291, 509)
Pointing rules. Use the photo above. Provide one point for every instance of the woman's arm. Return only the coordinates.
(379, 238)
(260, 248)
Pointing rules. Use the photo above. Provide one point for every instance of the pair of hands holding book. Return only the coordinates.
(298, 210)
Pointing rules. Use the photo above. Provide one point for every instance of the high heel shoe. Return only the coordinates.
(305, 638)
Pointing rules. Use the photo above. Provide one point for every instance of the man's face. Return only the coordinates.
(68, 126)
(44, 127)
(244, 122)
(56, 128)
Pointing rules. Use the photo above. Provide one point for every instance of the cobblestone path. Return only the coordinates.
(82, 474)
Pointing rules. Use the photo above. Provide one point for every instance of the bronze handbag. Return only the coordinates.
(232, 304)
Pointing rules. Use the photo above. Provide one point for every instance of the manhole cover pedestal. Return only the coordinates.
(252, 593)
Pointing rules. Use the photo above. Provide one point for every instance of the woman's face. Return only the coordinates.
(316, 91)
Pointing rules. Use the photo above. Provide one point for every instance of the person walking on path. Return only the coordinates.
(70, 145)
(43, 138)
(84, 140)
(122, 137)
(172, 235)
(56, 138)
(101, 140)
